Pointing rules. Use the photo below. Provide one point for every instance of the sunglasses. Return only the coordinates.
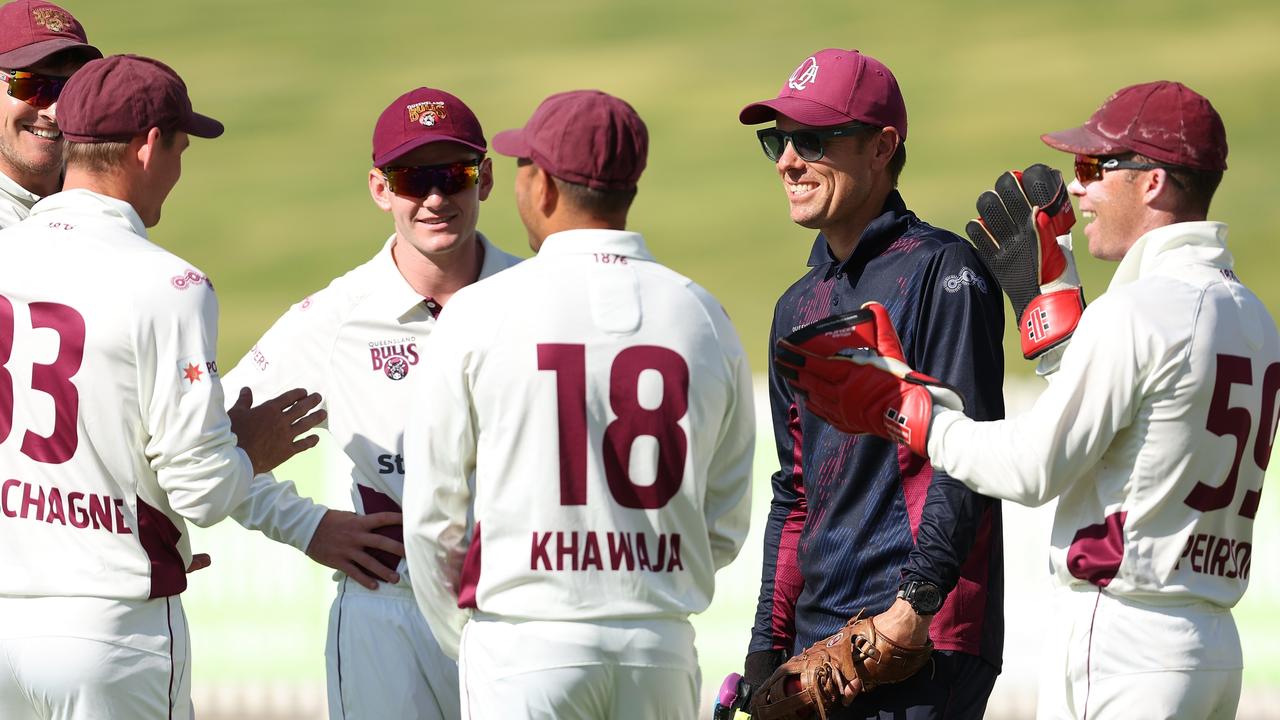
(418, 180)
(1090, 169)
(34, 89)
(808, 143)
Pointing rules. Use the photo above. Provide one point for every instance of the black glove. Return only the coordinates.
(757, 668)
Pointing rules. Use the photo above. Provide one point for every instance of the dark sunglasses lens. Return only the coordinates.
(772, 141)
(1088, 169)
(38, 91)
(807, 144)
(418, 181)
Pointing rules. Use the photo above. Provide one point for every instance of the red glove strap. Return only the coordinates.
(1049, 320)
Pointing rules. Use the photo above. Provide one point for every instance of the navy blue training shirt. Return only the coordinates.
(854, 516)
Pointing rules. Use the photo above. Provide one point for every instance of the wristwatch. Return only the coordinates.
(925, 597)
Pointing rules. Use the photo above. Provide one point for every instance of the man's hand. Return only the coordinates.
(268, 433)
(1023, 235)
(343, 539)
(199, 561)
(868, 388)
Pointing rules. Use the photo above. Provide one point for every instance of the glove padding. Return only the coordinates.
(811, 683)
(852, 373)
(1023, 236)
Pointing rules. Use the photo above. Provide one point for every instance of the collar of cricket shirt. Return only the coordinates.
(595, 241)
(86, 202)
(1207, 239)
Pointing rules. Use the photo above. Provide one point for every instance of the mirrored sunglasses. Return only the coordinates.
(34, 89)
(419, 180)
(1090, 169)
(809, 144)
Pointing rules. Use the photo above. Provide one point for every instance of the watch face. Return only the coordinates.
(925, 598)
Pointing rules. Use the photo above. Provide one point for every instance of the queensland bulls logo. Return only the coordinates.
(54, 19)
(393, 357)
(427, 113)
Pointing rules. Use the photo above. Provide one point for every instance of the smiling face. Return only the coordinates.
(437, 224)
(1114, 211)
(30, 142)
(843, 190)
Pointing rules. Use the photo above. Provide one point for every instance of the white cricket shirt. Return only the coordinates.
(112, 429)
(1154, 434)
(581, 442)
(15, 202)
(358, 343)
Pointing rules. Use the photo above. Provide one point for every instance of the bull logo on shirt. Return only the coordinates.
(393, 357)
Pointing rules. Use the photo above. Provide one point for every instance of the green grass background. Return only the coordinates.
(278, 206)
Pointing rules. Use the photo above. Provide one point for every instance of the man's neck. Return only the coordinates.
(39, 185)
(440, 276)
(842, 237)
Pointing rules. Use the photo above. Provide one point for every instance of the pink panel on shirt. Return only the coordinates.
(376, 502)
(1096, 551)
(470, 572)
(787, 580)
(159, 538)
(917, 474)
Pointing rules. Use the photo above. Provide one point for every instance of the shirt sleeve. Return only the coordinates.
(189, 444)
(728, 499)
(293, 353)
(958, 339)
(781, 581)
(1035, 457)
(439, 462)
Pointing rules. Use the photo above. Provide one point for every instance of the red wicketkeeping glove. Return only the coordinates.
(868, 387)
(1017, 238)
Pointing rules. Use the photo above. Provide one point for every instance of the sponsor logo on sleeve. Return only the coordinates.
(966, 276)
(194, 372)
(393, 357)
(188, 279)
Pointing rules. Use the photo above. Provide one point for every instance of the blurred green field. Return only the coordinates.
(278, 206)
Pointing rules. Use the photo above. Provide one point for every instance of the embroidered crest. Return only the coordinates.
(427, 113)
(52, 18)
(804, 75)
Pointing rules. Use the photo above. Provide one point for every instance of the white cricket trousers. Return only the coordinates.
(82, 658)
(602, 670)
(1111, 658)
(382, 659)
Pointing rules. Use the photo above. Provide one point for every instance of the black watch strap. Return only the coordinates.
(925, 597)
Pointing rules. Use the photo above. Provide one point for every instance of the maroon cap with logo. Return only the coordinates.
(1165, 121)
(31, 31)
(123, 96)
(420, 117)
(835, 87)
(586, 137)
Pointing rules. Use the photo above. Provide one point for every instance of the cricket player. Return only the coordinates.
(112, 428)
(41, 45)
(359, 343)
(1155, 430)
(857, 524)
(578, 461)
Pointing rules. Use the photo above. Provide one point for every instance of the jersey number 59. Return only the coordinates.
(569, 363)
(1237, 422)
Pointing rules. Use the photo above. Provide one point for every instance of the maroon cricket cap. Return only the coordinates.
(420, 117)
(31, 31)
(1165, 121)
(586, 137)
(835, 87)
(122, 96)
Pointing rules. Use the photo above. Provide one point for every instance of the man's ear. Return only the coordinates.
(1160, 191)
(486, 178)
(379, 190)
(886, 143)
(546, 195)
(143, 147)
